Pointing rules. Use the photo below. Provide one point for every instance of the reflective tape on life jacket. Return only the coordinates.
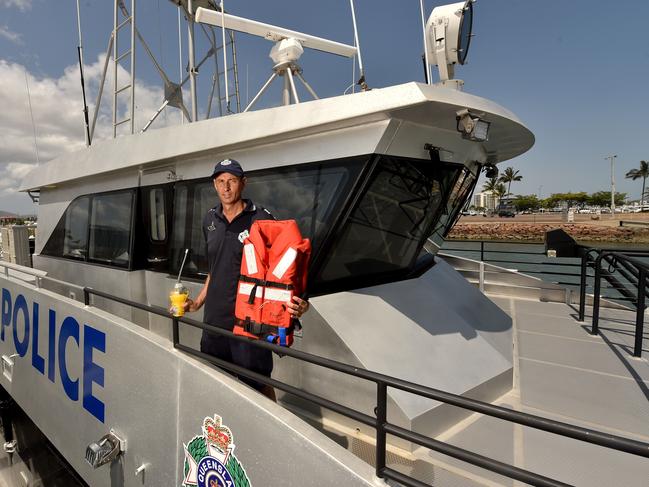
(273, 270)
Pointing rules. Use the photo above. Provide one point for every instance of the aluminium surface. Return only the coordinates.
(421, 104)
(155, 395)
(564, 373)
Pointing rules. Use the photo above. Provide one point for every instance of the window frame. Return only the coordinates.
(362, 161)
(87, 259)
(416, 266)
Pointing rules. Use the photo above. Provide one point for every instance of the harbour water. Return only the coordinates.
(531, 259)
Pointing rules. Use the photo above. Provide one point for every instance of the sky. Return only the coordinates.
(575, 72)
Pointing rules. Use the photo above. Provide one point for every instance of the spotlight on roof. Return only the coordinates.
(491, 171)
(448, 33)
(472, 127)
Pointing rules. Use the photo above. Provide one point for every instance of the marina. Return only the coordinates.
(417, 364)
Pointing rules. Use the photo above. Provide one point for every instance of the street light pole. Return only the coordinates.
(612, 159)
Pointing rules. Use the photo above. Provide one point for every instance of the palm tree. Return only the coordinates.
(490, 184)
(496, 188)
(643, 173)
(508, 176)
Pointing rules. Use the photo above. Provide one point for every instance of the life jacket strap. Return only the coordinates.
(264, 282)
(261, 329)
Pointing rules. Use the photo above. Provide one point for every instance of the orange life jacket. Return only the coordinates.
(273, 270)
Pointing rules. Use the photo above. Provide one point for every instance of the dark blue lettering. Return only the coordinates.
(69, 329)
(51, 349)
(92, 340)
(6, 312)
(38, 362)
(21, 305)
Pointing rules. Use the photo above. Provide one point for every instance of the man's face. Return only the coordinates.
(229, 187)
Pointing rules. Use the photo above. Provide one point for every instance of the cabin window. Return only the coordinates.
(389, 224)
(158, 222)
(190, 206)
(152, 228)
(96, 229)
(460, 194)
(75, 232)
(311, 194)
(110, 228)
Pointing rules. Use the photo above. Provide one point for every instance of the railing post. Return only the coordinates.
(381, 419)
(481, 250)
(639, 317)
(596, 297)
(481, 277)
(582, 285)
(174, 329)
(86, 296)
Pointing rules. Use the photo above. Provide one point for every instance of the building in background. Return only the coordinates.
(486, 199)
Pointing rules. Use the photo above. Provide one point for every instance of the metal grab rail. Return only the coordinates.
(380, 423)
(642, 288)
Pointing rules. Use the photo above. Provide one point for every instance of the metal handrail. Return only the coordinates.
(642, 289)
(380, 423)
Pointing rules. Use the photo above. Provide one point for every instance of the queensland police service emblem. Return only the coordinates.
(209, 458)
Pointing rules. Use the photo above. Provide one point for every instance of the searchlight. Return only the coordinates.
(448, 38)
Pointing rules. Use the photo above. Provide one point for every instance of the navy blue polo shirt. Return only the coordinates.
(224, 251)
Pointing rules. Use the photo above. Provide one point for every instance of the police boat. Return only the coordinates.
(375, 179)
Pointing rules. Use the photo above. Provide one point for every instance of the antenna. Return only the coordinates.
(361, 80)
(83, 83)
(423, 29)
(31, 114)
(225, 60)
(289, 46)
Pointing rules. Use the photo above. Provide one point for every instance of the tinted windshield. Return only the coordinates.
(311, 194)
(390, 222)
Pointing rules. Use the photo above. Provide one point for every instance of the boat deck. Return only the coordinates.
(561, 372)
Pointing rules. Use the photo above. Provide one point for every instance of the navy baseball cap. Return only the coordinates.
(228, 165)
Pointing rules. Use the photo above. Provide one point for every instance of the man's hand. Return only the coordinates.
(190, 306)
(297, 307)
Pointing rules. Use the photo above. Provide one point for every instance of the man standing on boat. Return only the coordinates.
(225, 227)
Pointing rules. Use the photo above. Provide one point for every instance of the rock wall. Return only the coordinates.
(536, 232)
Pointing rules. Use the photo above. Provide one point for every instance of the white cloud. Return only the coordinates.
(21, 4)
(58, 116)
(11, 36)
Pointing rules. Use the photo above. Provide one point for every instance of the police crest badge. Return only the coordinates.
(209, 458)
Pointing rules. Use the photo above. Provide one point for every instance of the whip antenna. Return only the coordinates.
(225, 60)
(423, 30)
(31, 114)
(361, 80)
(83, 83)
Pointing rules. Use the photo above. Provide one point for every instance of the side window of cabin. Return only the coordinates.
(311, 194)
(157, 214)
(75, 231)
(110, 228)
(96, 229)
(191, 203)
(152, 228)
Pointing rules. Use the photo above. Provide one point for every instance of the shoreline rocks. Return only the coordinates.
(536, 232)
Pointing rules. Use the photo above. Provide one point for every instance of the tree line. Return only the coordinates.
(599, 198)
(496, 186)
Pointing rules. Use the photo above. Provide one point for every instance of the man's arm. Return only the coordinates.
(196, 304)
